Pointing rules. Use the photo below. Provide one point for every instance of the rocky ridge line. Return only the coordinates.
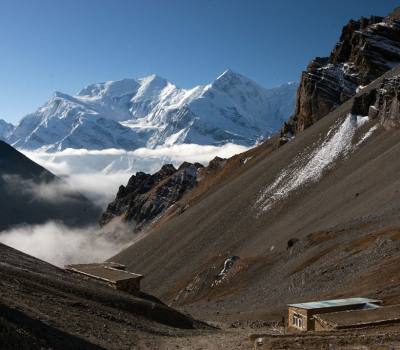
(367, 48)
(146, 196)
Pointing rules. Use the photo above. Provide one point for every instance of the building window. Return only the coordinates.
(297, 320)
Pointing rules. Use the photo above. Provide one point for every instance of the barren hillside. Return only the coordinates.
(316, 218)
(44, 307)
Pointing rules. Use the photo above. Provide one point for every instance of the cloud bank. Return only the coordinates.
(52, 192)
(98, 173)
(60, 245)
(142, 159)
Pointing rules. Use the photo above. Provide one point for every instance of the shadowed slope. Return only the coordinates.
(53, 308)
(32, 195)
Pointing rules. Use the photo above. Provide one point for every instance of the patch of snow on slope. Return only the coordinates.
(367, 134)
(297, 175)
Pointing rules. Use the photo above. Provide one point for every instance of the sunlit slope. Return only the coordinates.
(290, 217)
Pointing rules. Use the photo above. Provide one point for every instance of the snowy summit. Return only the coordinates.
(151, 111)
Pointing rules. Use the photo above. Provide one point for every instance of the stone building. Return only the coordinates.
(357, 318)
(111, 274)
(303, 316)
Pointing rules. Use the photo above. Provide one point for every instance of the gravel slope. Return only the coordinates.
(42, 306)
(344, 225)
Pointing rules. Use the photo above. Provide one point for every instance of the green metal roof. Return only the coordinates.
(335, 302)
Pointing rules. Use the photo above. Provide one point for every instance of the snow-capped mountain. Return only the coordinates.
(151, 111)
(6, 129)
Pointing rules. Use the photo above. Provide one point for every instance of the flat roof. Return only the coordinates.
(361, 317)
(334, 302)
(104, 272)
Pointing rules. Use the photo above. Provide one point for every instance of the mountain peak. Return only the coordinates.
(4, 122)
(229, 73)
(109, 89)
(6, 129)
(395, 14)
(61, 95)
(151, 111)
(152, 78)
(150, 86)
(367, 48)
(229, 79)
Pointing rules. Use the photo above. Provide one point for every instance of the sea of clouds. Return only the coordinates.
(97, 174)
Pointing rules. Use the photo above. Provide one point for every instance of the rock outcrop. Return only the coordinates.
(367, 48)
(146, 196)
(382, 103)
(387, 103)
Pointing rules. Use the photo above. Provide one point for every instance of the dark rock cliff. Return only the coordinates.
(387, 103)
(147, 196)
(382, 103)
(367, 48)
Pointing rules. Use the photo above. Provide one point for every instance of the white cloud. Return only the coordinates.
(60, 245)
(100, 188)
(54, 192)
(98, 173)
(141, 159)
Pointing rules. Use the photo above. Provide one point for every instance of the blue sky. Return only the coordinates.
(49, 45)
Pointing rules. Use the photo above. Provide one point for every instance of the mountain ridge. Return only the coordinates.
(151, 111)
(6, 129)
(367, 48)
(33, 195)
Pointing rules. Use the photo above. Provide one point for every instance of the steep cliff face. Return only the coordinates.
(382, 104)
(367, 48)
(147, 196)
(387, 103)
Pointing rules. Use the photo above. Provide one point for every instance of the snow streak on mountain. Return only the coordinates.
(151, 111)
(309, 165)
